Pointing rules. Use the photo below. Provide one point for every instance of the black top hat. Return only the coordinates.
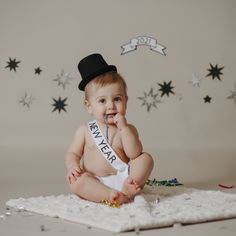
(92, 66)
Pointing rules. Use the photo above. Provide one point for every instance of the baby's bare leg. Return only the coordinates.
(140, 170)
(90, 188)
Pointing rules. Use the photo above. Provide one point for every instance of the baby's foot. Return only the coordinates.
(118, 197)
(130, 187)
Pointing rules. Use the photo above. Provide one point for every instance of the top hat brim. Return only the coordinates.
(103, 70)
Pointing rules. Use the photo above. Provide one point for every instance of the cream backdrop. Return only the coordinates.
(190, 139)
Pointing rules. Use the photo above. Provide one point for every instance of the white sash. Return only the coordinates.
(105, 148)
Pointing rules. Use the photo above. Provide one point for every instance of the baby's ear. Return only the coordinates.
(88, 106)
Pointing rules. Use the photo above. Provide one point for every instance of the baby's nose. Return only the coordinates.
(110, 105)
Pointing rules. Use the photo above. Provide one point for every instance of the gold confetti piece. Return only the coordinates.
(111, 204)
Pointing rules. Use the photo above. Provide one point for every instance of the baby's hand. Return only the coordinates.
(73, 173)
(120, 121)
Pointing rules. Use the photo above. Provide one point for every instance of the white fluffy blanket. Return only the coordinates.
(175, 205)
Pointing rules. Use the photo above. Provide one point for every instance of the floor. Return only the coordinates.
(28, 224)
(24, 176)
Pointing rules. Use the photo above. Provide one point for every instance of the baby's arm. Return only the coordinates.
(129, 136)
(74, 154)
(131, 143)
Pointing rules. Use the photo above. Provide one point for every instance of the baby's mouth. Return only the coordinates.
(111, 115)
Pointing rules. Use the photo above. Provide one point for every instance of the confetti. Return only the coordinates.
(43, 228)
(111, 204)
(157, 200)
(226, 186)
(171, 182)
(21, 208)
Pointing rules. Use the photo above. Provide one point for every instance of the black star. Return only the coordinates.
(12, 64)
(166, 88)
(59, 104)
(207, 99)
(37, 70)
(214, 71)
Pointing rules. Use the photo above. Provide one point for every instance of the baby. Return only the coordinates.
(105, 160)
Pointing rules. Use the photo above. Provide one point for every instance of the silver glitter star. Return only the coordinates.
(63, 79)
(233, 94)
(150, 99)
(195, 80)
(26, 100)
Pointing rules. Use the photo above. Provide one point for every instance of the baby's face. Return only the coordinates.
(105, 102)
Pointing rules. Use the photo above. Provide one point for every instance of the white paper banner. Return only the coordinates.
(143, 40)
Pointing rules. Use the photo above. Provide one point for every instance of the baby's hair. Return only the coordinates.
(106, 79)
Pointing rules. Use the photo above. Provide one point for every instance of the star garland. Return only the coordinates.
(149, 99)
